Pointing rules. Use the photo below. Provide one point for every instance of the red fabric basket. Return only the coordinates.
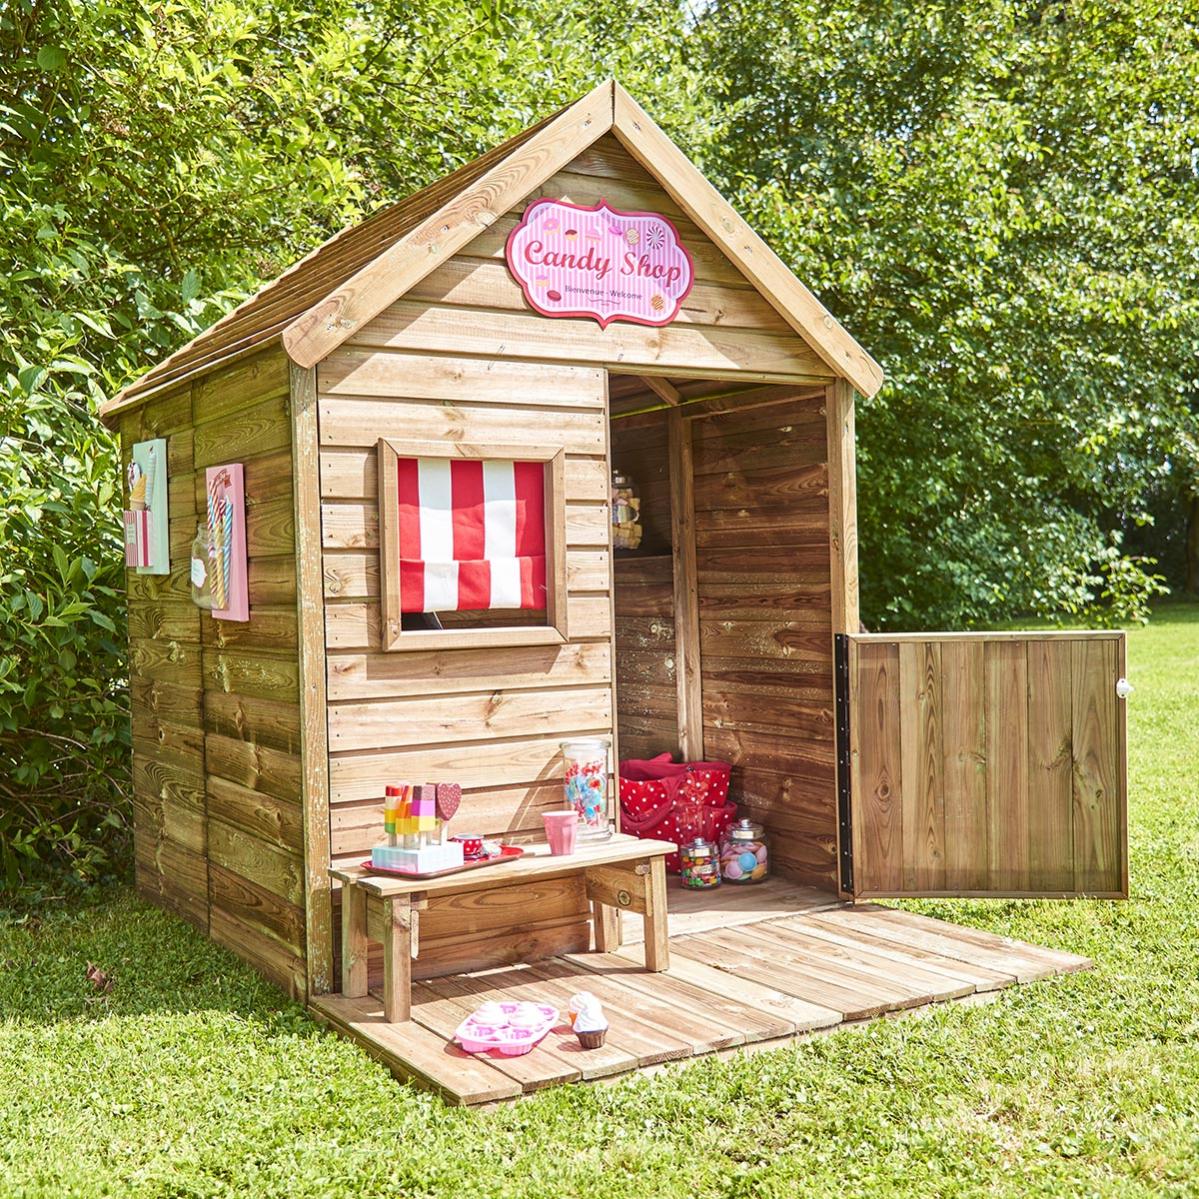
(675, 801)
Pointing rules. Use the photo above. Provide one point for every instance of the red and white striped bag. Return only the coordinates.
(675, 801)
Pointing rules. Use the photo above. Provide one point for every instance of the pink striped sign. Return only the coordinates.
(599, 262)
(471, 534)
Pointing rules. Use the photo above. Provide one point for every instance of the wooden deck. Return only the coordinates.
(761, 965)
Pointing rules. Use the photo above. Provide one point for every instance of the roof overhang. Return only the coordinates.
(323, 326)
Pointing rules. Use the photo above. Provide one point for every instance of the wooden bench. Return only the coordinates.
(621, 874)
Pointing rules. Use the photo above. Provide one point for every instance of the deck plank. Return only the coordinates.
(764, 996)
(441, 1010)
(937, 985)
(754, 1023)
(414, 1053)
(728, 952)
(516, 983)
(893, 992)
(704, 1032)
(982, 978)
(1058, 959)
(946, 941)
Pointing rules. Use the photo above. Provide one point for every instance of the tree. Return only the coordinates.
(998, 199)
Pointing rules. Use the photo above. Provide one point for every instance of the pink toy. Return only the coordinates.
(512, 1030)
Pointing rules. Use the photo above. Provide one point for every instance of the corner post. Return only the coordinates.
(314, 730)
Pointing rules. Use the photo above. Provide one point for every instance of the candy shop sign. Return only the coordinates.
(599, 262)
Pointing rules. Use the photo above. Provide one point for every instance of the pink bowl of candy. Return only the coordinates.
(509, 1028)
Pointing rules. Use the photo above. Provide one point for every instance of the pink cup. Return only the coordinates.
(561, 828)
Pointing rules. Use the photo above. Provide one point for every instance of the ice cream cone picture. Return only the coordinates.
(147, 532)
(227, 529)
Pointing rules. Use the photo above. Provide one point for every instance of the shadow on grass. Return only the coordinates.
(151, 962)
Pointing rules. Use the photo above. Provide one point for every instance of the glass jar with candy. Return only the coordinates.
(744, 853)
(626, 512)
(699, 867)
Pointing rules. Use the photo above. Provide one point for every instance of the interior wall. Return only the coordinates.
(646, 697)
(218, 821)
(762, 537)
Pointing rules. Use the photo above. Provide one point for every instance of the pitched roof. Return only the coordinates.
(316, 304)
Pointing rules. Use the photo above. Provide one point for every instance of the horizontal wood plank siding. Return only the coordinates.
(381, 704)
(170, 821)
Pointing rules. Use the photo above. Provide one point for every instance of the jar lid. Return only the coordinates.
(584, 745)
(746, 830)
(698, 847)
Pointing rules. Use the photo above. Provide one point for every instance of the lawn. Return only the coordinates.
(194, 1078)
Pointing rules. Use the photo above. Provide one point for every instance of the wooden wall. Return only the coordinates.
(170, 823)
(762, 542)
(219, 827)
(988, 764)
(488, 718)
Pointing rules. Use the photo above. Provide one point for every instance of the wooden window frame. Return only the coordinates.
(554, 631)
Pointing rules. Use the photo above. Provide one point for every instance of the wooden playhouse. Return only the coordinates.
(880, 765)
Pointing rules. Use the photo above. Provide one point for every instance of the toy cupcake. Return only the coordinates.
(571, 234)
(588, 1019)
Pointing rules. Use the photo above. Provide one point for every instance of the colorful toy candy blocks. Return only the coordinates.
(416, 832)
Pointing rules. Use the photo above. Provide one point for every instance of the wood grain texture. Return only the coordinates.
(765, 620)
(688, 668)
(992, 767)
(1099, 786)
(314, 737)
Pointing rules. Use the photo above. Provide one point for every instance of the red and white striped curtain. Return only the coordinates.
(472, 534)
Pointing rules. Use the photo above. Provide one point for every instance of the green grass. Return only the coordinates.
(195, 1078)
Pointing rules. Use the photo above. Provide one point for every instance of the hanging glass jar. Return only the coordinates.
(744, 853)
(203, 566)
(626, 512)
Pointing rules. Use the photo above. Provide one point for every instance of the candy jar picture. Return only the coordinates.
(586, 779)
(744, 853)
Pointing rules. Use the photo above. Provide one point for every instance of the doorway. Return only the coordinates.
(723, 625)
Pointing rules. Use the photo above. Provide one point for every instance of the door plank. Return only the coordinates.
(1050, 756)
(878, 826)
(964, 744)
(1097, 790)
(922, 765)
(1006, 666)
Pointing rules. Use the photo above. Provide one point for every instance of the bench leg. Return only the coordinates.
(606, 921)
(353, 941)
(397, 958)
(657, 933)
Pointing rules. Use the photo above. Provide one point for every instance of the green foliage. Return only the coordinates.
(156, 163)
(998, 199)
(193, 1077)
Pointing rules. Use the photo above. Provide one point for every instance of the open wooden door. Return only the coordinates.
(982, 764)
